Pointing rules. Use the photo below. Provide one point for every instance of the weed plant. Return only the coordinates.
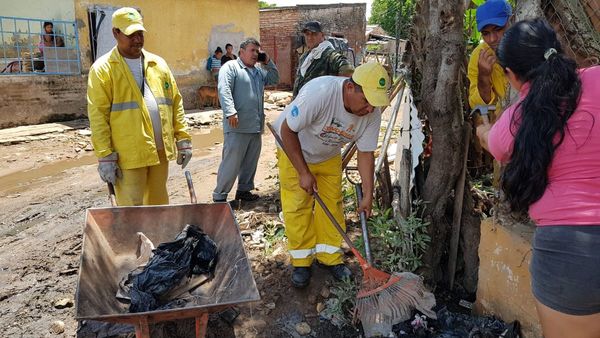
(274, 233)
(398, 246)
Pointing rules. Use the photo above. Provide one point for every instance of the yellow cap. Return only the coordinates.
(374, 80)
(128, 20)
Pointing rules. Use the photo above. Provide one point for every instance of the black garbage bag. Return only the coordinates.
(192, 252)
(204, 256)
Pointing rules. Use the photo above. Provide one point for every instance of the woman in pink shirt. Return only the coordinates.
(550, 142)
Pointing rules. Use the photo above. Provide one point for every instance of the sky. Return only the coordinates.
(281, 3)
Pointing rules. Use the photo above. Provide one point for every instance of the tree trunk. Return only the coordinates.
(439, 35)
(578, 33)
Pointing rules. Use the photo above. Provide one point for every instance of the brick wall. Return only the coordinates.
(278, 31)
(40, 99)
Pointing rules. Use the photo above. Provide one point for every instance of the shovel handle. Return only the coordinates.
(360, 258)
(363, 224)
(190, 184)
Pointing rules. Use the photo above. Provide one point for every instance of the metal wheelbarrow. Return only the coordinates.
(109, 253)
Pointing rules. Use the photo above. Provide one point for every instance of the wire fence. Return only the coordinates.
(38, 47)
(578, 24)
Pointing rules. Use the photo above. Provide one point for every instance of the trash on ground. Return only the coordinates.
(456, 325)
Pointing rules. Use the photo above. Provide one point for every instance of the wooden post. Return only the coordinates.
(459, 191)
(385, 185)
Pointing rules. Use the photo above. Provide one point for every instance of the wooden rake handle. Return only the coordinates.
(360, 258)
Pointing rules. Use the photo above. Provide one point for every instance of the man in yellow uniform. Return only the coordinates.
(136, 116)
(328, 112)
(488, 85)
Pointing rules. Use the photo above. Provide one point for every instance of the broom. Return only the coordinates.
(383, 299)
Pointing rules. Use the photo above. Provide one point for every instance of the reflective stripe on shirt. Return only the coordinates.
(124, 106)
(164, 100)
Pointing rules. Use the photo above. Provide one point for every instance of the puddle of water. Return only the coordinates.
(16, 182)
(202, 141)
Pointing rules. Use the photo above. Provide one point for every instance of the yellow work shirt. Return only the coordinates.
(499, 82)
(119, 119)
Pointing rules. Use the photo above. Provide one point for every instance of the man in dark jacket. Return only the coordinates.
(320, 59)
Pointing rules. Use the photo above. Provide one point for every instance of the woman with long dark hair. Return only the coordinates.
(550, 142)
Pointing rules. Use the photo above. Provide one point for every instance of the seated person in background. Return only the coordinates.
(216, 64)
(49, 39)
(228, 56)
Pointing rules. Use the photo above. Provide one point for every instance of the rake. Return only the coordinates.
(383, 299)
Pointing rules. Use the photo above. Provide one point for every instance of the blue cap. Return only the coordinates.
(493, 12)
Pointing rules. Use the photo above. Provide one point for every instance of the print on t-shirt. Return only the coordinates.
(336, 134)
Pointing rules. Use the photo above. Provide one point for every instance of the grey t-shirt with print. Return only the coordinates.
(323, 125)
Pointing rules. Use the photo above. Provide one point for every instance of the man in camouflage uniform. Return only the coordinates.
(320, 59)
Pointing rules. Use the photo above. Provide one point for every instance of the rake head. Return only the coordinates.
(380, 306)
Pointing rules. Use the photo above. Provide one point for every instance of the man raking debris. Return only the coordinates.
(328, 113)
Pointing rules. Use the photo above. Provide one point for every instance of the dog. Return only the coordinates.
(207, 94)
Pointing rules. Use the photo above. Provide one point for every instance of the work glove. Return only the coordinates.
(184, 152)
(109, 169)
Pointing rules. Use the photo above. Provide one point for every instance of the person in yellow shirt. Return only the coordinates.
(136, 116)
(488, 84)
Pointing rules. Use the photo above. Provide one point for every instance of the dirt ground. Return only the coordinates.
(46, 187)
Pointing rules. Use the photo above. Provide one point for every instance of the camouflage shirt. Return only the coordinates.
(331, 62)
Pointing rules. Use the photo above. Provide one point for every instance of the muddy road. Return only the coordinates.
(47, 184)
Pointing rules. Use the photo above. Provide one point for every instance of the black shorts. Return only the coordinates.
(565, 268)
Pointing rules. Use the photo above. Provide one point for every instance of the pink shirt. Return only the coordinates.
(572, 196)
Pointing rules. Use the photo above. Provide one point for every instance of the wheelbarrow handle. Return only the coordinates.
(111, 194)
(190, 184)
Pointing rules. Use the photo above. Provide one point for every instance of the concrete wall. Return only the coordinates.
(39, 9)
(504, 287)
(40, 99)
(184, 33)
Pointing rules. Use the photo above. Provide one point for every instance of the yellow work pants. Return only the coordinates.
(144, 186)
(310, 233)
